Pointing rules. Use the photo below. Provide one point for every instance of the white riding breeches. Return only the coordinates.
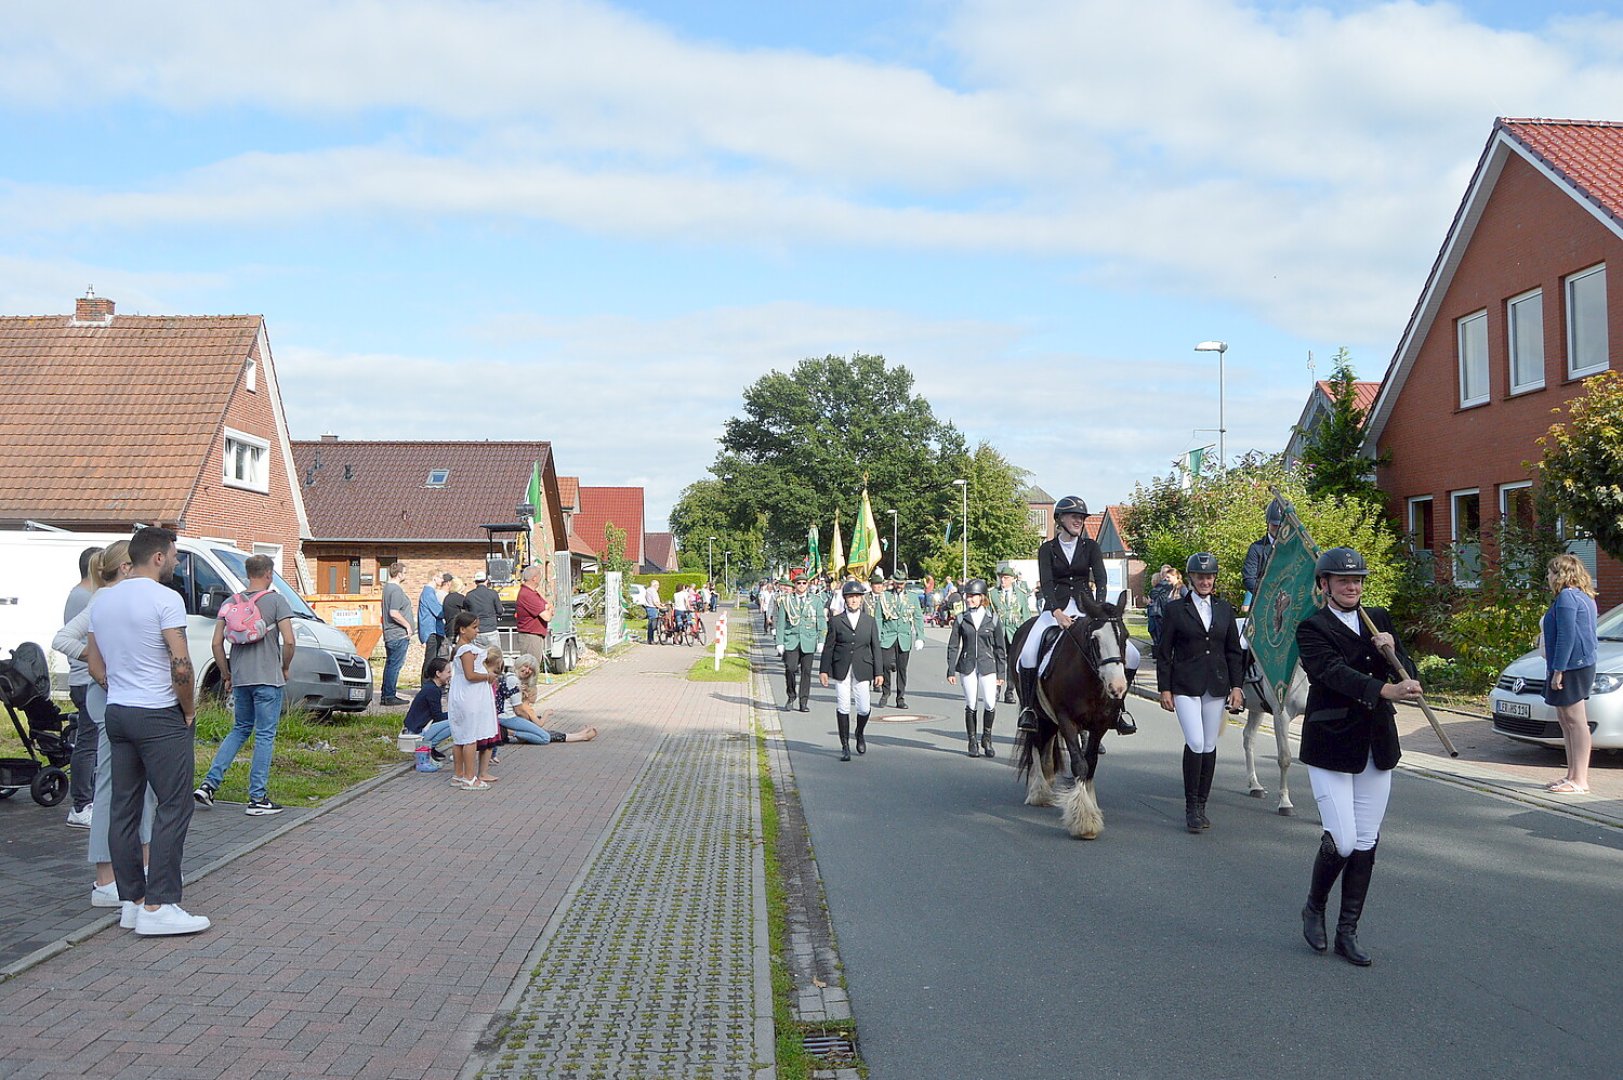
(1034, 638)
(1201, 719)
(979, 690)
(1352, 805)
(848, 688)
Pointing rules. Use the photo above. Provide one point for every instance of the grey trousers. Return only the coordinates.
(150, 746)
(82, 766)
(96, 717)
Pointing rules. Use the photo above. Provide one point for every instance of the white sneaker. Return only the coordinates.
(104, 895)
(80, 819)
(168, 919)
(126, 918)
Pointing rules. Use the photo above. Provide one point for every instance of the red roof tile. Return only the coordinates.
(113, 422)
(569, 493)
(1364, 393)
(1587, 154)
(378, 490)
(620, 505)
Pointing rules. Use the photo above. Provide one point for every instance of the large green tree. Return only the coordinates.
(1582, 469)
(999, 520)
(1332, 462)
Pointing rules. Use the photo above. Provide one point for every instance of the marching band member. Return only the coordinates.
(800, 624)
(851, 656)
(1012, 604)
(977, 654)
(1199, 669)
(1349, 742)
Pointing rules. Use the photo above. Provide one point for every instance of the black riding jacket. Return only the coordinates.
(1059, 581)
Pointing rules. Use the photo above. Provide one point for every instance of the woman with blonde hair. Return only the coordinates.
(517, 696)
(1570, 648)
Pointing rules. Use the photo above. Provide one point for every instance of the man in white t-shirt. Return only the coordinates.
(137, 650)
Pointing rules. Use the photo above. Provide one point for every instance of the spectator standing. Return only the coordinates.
(484, 602)
(1570, 651)
(682, 602)
(532, 613)
(82, 768)
(397, 632)
(431, 617)
(137, 650)
(473, 707)
(452, 604)
(650, 606)
(254, 676)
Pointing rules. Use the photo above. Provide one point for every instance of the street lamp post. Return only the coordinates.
(964, 485)
(712, 561)
(892, 543)
(1219, 347)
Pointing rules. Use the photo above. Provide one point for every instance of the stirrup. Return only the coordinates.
(1125, 724)
(1027, 720)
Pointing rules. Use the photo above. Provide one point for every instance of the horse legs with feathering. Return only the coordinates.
(1259, 702)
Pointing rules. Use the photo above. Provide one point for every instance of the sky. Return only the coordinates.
(597, 223)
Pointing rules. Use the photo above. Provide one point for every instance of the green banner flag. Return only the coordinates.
(1285, 597)
(814, 556)
(865, 548)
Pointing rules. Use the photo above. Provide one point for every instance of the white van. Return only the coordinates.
(39, 568)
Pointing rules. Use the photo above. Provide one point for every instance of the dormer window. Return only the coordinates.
(438, 477)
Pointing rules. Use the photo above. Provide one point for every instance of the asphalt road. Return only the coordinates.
(980, 940)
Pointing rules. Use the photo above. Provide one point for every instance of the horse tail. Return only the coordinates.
(1025, 754)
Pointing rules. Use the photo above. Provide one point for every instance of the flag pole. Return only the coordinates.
(1398, 670)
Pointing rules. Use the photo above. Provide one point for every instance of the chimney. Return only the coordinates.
(92, 310)
(328, 436)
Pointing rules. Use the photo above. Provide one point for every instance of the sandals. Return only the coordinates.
(477, 785)
(1566, 787)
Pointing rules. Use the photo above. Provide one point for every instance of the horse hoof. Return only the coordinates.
(1257, 793)
(1287, 811)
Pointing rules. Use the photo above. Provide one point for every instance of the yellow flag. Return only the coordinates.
(865, 552)
(837, 552)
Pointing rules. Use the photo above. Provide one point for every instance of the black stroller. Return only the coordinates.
(25, 683)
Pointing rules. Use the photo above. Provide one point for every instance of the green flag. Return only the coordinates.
(814, 557)
(1285, 597)
(865, 548)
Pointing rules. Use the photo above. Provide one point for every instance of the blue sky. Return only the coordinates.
(596, 223)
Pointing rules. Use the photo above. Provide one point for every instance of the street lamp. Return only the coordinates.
(712, 573)
(964, 484)
(1218, 347)
(892, 514)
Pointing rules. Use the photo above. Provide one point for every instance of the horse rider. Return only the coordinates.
(851, 656)
(901, 630)
(977, 656)
(1199, 670)
(1067, 567)
(800, 625)
(1012, 603)
(1349, 741)
(1260, 551)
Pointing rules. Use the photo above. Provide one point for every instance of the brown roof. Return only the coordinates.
(622, 506)
(1364, 393)
(569, 492)
(661, 551)
(378, 490)
(113, 422)
(1587, 154)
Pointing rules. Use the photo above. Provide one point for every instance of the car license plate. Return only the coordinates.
(358, 693)
(1513, 708)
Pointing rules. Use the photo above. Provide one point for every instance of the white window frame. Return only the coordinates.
(1461, 326)
(259, 482)
(1504, 501)
(1573, 370)
(446, 479)
(1454, 535)
(273, 550)
(1512, 321)
(1416, 536)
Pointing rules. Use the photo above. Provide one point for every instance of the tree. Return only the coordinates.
(801, 448)
(999, 520)
(1332, 460)
(614, 558)
(1582, 468)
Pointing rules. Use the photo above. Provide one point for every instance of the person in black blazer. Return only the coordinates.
(1349, 742)
(1199, 670)
(851, 654)
(977, 654)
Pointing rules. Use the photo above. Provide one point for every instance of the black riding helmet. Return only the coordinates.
(1201, 562)
(853, 588)
(1276, 513)
(1070, 504)
(1343, 561)
(976, 587)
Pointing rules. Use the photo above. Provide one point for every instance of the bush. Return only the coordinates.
(668, 583)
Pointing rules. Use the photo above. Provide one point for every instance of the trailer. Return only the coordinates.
(504, 561)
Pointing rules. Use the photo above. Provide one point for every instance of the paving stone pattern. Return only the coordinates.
(651, 972)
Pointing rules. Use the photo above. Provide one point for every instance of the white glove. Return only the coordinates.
(780, 650)
(918, 643)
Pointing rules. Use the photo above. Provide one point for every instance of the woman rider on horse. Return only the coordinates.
(1067, 566)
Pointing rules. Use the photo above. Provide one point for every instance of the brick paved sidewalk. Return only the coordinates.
(378, 940)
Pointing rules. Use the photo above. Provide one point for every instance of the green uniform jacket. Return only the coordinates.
(906, 625)
(1012, 611)
(800, 622)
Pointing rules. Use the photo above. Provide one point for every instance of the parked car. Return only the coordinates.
(639, 595)
(1517, 701)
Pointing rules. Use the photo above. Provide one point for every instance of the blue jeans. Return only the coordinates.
(521, 730)
(394, 658)
(259, 711)
(436, 733)
(653, 621)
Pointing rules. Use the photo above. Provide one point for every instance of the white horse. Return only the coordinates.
(1259, 700)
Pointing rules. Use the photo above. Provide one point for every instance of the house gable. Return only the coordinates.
(623, 506)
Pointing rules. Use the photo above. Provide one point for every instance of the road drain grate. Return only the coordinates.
(830, 1049)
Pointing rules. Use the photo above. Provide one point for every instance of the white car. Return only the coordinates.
(1517, 699)
(639, 595)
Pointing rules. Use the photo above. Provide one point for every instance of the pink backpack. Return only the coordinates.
(244, 624)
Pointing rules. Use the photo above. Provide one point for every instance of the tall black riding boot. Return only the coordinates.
(1191, 789)
(969, 726)
(986, 734)
(1326, 868)
(1028, 700)
(1208, 766)
(843, 721)
(862, 725)
(1354, 887)
(1008, 693)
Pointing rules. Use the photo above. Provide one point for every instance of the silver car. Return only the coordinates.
(1517, 700)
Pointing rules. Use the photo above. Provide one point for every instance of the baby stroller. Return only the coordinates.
(25, 683)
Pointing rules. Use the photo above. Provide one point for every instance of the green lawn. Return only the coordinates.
(735, 665)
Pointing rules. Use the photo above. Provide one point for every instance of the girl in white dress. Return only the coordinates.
(473, 706)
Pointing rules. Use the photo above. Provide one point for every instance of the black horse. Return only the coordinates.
(1079, 697)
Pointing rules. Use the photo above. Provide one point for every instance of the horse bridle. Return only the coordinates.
(1090, 650)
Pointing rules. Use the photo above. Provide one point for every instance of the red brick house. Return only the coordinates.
(109, 420)
(1518, 310)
